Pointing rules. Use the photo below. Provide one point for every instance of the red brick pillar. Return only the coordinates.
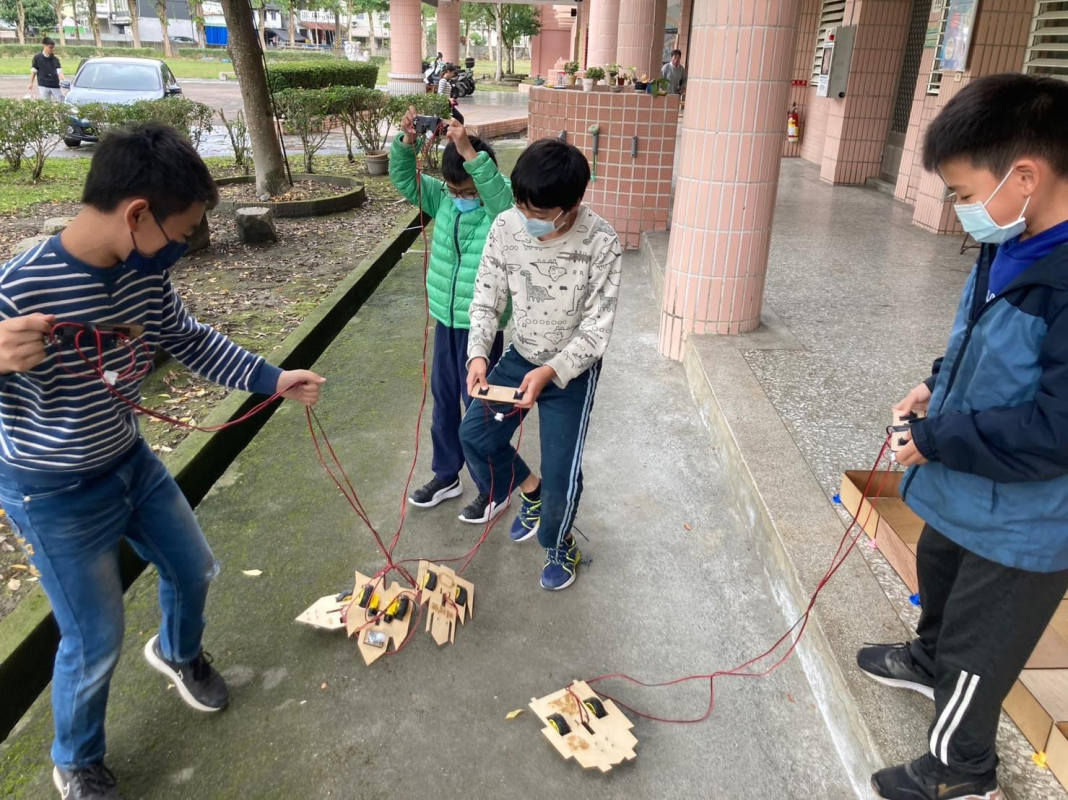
(604, 32)
(641, 35)
(449, 30)
(406, 37)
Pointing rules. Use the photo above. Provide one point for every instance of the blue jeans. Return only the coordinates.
(72, 535)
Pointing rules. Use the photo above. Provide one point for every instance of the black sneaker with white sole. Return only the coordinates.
(198, 682)
(481, 510)
(435, 492)
(893, 665)
(927, 778)
(94, 782)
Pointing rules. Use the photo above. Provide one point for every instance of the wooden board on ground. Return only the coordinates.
(596, 734)
(450, 600)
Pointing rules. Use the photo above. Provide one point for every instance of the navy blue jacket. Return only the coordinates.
(997, 430)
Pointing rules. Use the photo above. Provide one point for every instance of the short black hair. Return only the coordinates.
(997, 119)
(47, 42)
(152, 161)
(676, 53)
(449, 67)
(551, 174)
(452, 163)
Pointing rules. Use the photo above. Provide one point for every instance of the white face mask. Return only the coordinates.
(976, 220)
(540, 227)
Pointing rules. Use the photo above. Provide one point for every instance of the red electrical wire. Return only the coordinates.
(741, 671)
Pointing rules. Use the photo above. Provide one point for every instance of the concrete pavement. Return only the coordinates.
(309, 720)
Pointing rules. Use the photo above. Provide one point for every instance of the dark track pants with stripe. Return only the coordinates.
(563, 417)
(979, 625)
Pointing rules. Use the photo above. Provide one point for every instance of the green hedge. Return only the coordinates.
(321, 75)
(78, 51)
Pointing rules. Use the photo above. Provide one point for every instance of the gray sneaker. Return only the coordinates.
(198, 682)
(94, 782)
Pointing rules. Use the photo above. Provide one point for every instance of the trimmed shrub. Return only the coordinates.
(308, 113)
(320, 74)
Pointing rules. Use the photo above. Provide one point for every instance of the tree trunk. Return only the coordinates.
(94, 23)
(337, 30)
(161, 12)
(294, 9)
(57, 5)
(261, 13)
(374, 39)
(500, 40)
(135, 26)
(21, 29)
(248, 66)
(202, 33)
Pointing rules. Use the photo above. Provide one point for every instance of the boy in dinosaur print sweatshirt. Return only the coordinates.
(560, 264)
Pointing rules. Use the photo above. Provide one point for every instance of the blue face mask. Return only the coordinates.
(540, 227)
(165, 258)
(976, 220)
(465, 204)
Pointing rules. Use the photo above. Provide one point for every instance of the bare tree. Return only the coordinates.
(161, 12)
(500, 40)
(255, 95)
(135, 25)
(20, 10)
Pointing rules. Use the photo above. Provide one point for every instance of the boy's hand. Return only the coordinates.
(23, 341)
(407, 124)
(910, 455)
(476, 375)
(457, 134)
(917, 398)
(304, 386)
(533, 382)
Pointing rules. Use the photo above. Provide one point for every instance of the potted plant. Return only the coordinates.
(366, 115)
(539, 81)
(641, 84)
(612, 70)
(593, 75)
(571, 69)
(661, 85)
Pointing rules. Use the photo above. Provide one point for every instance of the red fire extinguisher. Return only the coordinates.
(793, 125)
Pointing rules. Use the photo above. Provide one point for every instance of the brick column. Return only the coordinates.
(406, 36)
(741, 54)
(449, 30)
(604, 32)
(641, 35)
(685, 19)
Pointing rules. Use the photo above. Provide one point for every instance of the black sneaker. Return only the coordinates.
(926, 778)
(435, 492)
(198, 682)
(481, 510)
(94, 782)
(893, 665)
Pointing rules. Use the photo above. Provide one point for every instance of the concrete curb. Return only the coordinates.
(796, 529)
(356, 196)
(29, 636)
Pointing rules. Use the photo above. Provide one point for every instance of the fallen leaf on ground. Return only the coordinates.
(514, 714)
(687, 526)
(14, 584)
(252, 573)
(20, 567)
(323, 686)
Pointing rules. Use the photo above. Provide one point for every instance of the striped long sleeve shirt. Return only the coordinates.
(55, 425)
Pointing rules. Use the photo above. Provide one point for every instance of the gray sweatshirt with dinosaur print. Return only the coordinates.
(563, 291)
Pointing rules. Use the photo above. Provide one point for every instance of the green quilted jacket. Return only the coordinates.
(456, 248)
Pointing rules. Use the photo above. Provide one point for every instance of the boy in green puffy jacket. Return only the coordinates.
(463, 207)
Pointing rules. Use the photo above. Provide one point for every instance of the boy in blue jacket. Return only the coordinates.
(988, 466)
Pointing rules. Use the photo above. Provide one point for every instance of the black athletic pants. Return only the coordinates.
(980, 622)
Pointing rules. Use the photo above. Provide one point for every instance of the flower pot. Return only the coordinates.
(572, 80)
(378, 162)
(621, 81)
(587, 84)
(639, 86)
(618, 88)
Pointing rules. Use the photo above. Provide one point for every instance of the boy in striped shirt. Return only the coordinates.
(75, 474)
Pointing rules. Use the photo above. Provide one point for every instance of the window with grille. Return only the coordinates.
(934, 80)
(832, 14)
(1047, 46)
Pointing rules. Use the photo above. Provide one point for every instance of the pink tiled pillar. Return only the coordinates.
(741, 52)
(641, 35)
(406, 34)
(604, 32)
(683, 41)
(449, 30)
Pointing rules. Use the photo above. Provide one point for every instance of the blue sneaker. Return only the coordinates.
(561, 564)
(527, 521)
